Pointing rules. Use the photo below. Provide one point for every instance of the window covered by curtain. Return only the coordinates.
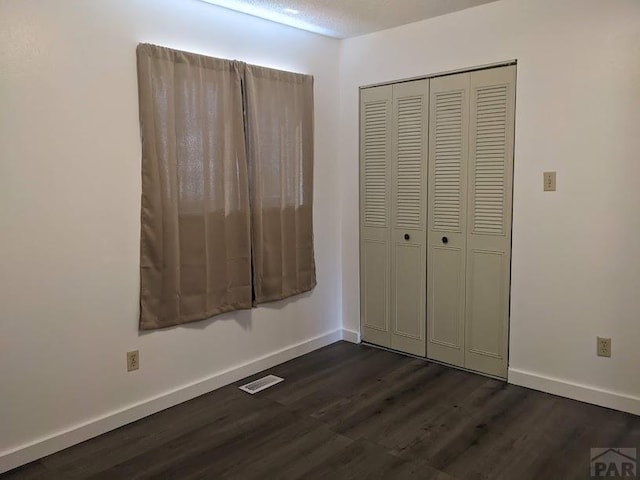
(195, 250)
(227, 185)
(279, 126)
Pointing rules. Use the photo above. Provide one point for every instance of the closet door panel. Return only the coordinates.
(374, 268)
(408, 260)
(447, 282)
(375, 214)
(485, 303)
(492, 102)
(448, 151)
(409, 297)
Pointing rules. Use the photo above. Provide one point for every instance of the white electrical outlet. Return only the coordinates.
(604, 347)
(133, 360)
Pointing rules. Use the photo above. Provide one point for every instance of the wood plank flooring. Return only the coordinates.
(354, 412)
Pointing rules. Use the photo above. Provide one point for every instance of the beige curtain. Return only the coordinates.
(279, 127)
(195, 241)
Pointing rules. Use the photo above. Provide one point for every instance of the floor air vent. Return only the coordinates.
(260, 384)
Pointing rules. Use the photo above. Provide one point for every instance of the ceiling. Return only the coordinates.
(346, 18)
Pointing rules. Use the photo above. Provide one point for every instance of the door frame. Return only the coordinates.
(511, 62)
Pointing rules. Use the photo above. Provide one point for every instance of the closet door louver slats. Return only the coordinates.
(410, 159)
(376, 145)
(448, 160)
(489, 173)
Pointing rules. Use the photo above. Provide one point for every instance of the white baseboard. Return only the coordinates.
(350, 336)
(576, 391)
(79, 433)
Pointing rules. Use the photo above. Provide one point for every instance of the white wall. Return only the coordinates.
(70, 201)
(576, 252)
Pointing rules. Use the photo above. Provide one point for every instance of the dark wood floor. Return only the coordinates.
(353, 411)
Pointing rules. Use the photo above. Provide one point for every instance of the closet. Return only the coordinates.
(436, 169)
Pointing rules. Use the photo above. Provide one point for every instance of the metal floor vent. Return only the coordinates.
(260, 384)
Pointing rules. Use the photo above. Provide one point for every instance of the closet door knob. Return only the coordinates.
(407, 236)
(445, 240)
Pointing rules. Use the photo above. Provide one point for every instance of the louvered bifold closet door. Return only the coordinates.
(489, 219)
(375, 214)
(448, 153)
(409, 216)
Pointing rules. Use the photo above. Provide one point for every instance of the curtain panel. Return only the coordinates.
(279, 128)
(227, 186)
(195, 251)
